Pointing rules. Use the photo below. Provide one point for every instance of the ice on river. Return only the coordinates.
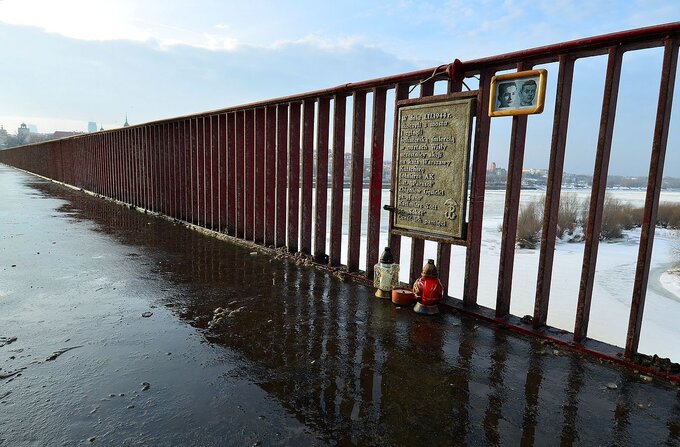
(614, 276)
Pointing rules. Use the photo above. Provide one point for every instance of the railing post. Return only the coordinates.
(249, 174)
(604, 144)
(356, 179)
(375, 181)
(307, 177)
(655, 179)
(477, 188)
(339, 110)
(281, 173)
(400, 93)
(511, 210)
(554, 187)
(294, 177)
(270, 176)
(260, 126)
(418, 244)
(321, 202)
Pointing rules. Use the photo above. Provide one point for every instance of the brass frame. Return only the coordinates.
(540, 97)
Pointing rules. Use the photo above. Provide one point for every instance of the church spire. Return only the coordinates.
(126, 123)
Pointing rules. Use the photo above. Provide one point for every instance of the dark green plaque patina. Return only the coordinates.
(433, 147)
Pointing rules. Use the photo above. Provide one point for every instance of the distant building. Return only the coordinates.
(126, 122)
(23, 134)
(63, 134)
(3, 136)
(92, 126)
(32, 127)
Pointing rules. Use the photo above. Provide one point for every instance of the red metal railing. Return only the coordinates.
(250, 171)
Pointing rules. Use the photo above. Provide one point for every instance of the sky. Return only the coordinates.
(69, 62)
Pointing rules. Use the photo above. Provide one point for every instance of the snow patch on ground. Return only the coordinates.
(670, 280)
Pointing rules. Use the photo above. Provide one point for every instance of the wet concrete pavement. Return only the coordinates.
(295, 356)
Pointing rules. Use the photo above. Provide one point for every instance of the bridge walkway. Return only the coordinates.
(122, 328)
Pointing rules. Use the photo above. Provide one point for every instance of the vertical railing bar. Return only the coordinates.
(604, 143)
(94, 163)
(477, 188)
(249, 173)
(161, 168)
(197, 151)
(565, 78)
(128, 164)
(281, 173)
(375, 180)
(179, 167)
(511, 210)
(356, 179)
(191, 128)
(239, 142)
(259, 175)
(203, 172)
(418, 244)
(321, 202)
(123, 160)
(141, 172)
(153, 146)
(176, 174)
(165, 160)
(294, 177)
(134, 159)
(114, 176)
(186, 151)
(106, 166)
(155, 143)
(655, 180)
(176, 168)
(307, 176)
(337, 185)
(214, 173)
(86, 157)
(232, 173)
(164, 165)
(168, 186)
(401, 92)
(270, 175)
(224, 171)
(443, 249)
(103, 165)
(158, 145)
(145, 166)
(98, 166)
(212, 155)
(134, 165)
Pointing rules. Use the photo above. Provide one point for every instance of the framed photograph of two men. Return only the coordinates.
(521, 93)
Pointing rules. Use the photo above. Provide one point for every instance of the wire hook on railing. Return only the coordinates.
(454, 71)
(434, 74)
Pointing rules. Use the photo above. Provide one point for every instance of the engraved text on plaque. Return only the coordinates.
(433, 145)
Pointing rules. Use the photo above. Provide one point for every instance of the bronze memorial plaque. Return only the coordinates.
(433, 146)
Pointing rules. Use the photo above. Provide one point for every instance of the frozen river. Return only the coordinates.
(613, 278)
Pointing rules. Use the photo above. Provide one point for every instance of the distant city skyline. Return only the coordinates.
(70, 62)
